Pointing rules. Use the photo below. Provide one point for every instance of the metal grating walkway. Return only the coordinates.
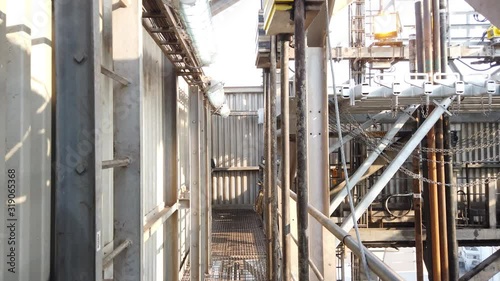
(238, 246)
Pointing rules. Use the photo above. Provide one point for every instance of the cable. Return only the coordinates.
(386, 205)
(475, 69)
(342, 152)
(476, 17)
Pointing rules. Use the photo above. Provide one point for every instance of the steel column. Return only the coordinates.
(208, 195)
(128, 131)
(302, 171)
(194, 185)
(77, 179)
(385, 141)
(397, 163)
(321, 252)
(285, 160)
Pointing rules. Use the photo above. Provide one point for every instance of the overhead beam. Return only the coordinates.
(485, 270)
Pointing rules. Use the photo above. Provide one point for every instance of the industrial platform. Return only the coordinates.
(238, 246)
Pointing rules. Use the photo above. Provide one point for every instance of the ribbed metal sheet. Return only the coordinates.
(237, 141)
(25, 140)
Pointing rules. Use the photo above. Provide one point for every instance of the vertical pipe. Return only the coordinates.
(412, 49)
(274, 164)
(433, 201)
(417, 207)
(285, 159)
(443, 24)
(442, 201)
(267, 174)
(419, 36)
(427, 37)
(436, 38)
(451, 204)
(302, 178)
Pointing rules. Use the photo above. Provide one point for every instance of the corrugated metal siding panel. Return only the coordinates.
(25, 144)
(152, 162)
(237, 142)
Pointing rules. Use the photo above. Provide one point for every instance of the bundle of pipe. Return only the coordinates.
(197, 17)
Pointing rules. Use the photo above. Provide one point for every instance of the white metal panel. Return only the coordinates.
(25, 139)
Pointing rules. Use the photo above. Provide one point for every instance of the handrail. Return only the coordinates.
(374, 263)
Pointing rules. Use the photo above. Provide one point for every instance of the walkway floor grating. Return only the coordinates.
(238, 246)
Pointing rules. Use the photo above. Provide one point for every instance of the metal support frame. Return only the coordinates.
(208, 188)
(285, 159)
(194, 185)
(203, 186)
(491, 199)
(78, 206)
(363, 168)
(374, 119)
(128, 132)
(485, 270)
(397, 162)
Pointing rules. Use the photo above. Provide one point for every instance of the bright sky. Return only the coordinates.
(235, 31)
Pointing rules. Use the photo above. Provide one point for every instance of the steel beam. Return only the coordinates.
(194, 185)
(78, 251)
(397, 162)
(204, 238)
(374, 119)
(485, 270)
(208, 188)
(384, 142)
(128, 132)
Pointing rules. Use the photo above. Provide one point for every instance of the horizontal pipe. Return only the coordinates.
(108, 164)
(374, 263)
(109, 258)
(225, 169)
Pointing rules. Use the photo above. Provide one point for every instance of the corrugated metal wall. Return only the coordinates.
(237, 141)
(25, 139)
(153, 159)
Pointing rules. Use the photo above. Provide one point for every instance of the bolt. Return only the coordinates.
(80, 57)
(80, 168)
